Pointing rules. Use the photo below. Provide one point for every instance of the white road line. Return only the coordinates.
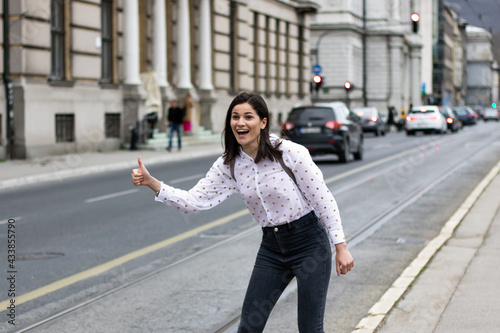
(17, 218)
(112, 195)
(180, 180)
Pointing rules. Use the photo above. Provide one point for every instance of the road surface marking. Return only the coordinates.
(17, 218)
(57, 285)
(112, 195)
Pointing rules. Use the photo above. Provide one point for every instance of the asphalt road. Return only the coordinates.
(409, 186)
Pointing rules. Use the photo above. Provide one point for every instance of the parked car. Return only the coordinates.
(371, 120)
(326, 128)
(465, 114)
(425, 118)
(454, 124)
(491, 114)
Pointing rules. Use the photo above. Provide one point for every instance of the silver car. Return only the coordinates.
(427, 119)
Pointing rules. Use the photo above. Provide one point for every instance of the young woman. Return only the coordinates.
(285, 193)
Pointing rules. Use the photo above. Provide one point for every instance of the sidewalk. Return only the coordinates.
(21, 172)
(457, 289)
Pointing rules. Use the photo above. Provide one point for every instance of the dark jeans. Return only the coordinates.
(177, 128)
(298, 249)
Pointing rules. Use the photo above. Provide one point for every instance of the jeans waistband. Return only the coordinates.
(304, 220)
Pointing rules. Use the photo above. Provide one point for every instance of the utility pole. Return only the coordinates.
(9, 93)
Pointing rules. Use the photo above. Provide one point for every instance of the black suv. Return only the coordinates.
(326, 128)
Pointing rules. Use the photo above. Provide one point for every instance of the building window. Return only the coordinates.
(256, 58)
(65, 127)
(112, 123)
(301, 62)
(58, 39)
(233, 44)
(287, 58)
(107, 38)
(278, 58)
(145, 35)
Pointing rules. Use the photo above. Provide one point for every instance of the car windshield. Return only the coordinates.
(422, 111)
(460, 111)
(365, 113)
(311, 114)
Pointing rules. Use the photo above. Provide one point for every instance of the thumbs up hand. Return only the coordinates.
(141, 175)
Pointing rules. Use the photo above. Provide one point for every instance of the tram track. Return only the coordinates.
(353, 239)
(375, 223)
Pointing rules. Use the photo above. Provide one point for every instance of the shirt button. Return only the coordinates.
(275, 229)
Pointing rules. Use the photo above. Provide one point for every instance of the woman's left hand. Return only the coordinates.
(343, 259)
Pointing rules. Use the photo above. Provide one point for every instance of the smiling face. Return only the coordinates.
(246, 126)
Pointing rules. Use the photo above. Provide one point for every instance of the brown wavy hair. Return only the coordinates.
(232, 147)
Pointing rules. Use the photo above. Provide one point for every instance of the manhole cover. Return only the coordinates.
(39, 256)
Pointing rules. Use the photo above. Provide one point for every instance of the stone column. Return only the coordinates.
(205, 46)
(131, 41)
(415, 75)
(160, 42)
(395, 45)
(133, 93)
(207, 93)
(183, 46)
(160, 57)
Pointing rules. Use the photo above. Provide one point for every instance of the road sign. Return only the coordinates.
(317, 69)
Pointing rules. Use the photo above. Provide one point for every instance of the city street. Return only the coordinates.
(98, 240)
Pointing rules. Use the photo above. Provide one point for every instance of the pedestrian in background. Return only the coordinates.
(285, 193)
(175, 117)
(391, 113)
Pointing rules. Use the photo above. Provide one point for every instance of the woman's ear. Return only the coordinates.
(263, 123)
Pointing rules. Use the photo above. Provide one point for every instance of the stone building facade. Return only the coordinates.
(450, 58)
(370, 44)
(87, 72)
(482, 70)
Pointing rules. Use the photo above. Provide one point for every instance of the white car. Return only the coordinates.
(427, 119)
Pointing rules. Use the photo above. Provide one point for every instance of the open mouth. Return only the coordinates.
(242, 132)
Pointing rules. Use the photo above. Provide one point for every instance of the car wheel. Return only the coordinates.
(377, 132)
(358, 155)
(410, 133)
(344, 154)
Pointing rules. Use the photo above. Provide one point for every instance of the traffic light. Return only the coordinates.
(317, 82)
(347, 86)
(494, 105)
(414, 19)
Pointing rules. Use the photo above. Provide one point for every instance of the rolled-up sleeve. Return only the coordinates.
(207, 193)
(312, 186)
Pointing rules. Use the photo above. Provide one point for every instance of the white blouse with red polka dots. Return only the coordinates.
(271, 196)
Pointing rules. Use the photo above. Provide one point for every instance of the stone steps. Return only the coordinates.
(201, 137)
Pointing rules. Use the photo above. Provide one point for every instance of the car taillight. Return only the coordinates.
(471, 116)
(288, 126)
(334, 125)
(408, 118)
(449, 120)
(374, 119)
